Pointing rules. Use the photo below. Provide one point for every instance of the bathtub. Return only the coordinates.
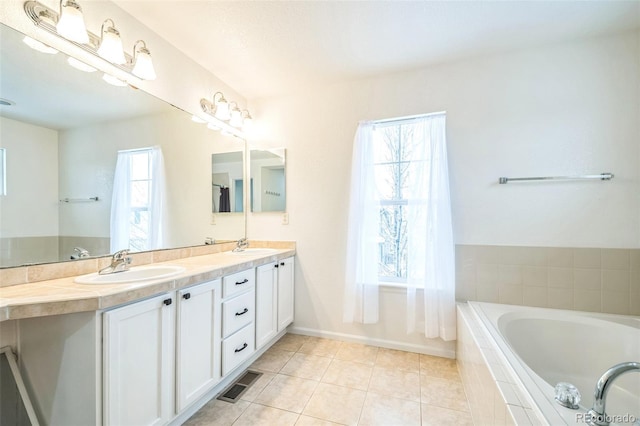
(545, 346)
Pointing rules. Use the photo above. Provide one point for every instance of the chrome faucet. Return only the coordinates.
(119, 263)
(597, 416)
(81, 253)
(241, 244)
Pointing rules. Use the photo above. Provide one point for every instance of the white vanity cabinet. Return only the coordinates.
(238, 318)
(138, 362)
(274, 299)
(197, 341)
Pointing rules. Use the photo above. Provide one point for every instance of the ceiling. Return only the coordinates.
(267, 48)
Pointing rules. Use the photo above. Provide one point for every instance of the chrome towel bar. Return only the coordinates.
(601, 176)
(79, 200)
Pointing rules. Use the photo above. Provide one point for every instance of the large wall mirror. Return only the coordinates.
(267, 187)
(61, 133)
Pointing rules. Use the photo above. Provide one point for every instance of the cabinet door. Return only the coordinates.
(138, 363)
(285, 293)
(197, 342)
(266, 303)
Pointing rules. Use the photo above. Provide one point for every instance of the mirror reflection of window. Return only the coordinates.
(227, 184)
(267, 183)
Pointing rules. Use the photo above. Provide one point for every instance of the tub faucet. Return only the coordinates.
(119, 263)
(597, 416)
(241, 244)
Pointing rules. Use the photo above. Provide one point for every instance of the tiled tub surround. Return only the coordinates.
(495, 395)
(582, 279)
(49, 289)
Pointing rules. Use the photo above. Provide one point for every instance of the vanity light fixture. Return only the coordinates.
(221, 107)
(111, 43)
(142, 63)
(71, 23)
(79, 65)
(236, 116)
(224, 116)
(247, 120)
(39, 46)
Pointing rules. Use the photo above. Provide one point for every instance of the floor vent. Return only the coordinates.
(235, 390)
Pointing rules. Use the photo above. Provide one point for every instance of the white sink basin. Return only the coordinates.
(255, 252)
(140, 273)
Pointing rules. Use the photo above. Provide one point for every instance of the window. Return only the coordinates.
(137, 202)
(400, 228)
(395, 161)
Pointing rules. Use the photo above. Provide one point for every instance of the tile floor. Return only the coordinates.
(313, 381)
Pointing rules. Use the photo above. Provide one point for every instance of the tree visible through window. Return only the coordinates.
(394, 161)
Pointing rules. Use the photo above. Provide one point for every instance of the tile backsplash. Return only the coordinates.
(583, 279)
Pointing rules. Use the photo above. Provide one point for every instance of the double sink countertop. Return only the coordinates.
(64, 295)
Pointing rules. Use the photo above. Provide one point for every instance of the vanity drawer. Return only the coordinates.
(238, 282)
(237, 348)
(238, 312)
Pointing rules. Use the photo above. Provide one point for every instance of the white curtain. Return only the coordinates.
(430, 262)
(121, 201)
(431, 254)
(361, 290)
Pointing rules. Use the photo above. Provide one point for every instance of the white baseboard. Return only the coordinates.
(383, 343)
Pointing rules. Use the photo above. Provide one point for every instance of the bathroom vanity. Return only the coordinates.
(152, 352)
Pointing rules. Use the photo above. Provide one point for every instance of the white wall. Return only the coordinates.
(565, 109)
(32, 180)
(87, 165)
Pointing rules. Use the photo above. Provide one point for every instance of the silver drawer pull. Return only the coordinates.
(242, 348)
(243, 312)
(242, 282)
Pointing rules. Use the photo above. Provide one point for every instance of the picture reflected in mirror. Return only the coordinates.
(267, 180)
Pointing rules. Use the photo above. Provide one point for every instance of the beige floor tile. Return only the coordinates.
(443, 368)
(350, 374)
(312, 421)
(272, 360)
(387, 411)
(443, 393)
(287, 392)
(336, 404)
(257, 415)
(290, 342)
(356, 352)
(306, 366)
(395, 382)
(438, 416)
(320, 347)
(218, 413)
(392, 358)
(257, 387)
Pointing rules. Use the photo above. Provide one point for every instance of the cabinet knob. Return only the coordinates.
(167, 301)
(281, 263)
(242, 348)
(275, 266)
(186, 296)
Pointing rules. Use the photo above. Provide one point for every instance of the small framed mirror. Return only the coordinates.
(267, 187)
(227, 182)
